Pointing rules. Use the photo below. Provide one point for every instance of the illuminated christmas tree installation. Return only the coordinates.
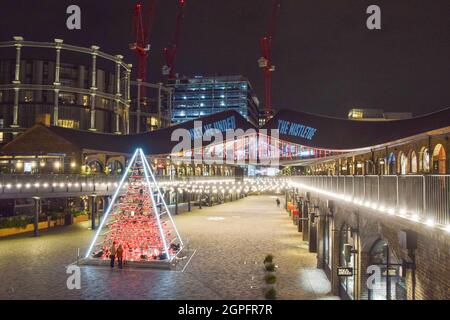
(138, 218)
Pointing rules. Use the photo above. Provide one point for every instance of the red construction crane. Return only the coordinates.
(170, 53)
(265, 62)
(142, 26)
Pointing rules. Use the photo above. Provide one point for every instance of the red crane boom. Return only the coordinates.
(170, 53)
(265, 62)
(141, 32)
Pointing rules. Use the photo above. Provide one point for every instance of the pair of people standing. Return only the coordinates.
(116, 252)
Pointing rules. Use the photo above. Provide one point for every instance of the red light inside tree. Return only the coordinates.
(136, 221)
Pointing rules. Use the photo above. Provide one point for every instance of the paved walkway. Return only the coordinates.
(231, 242)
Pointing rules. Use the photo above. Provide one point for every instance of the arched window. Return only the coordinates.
(439, 159)
(413, 165)
(115, 167)
(389, 283)
(424, 160)
(94, 167)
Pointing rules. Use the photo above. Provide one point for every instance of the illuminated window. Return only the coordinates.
(152, 121)
(65, 123)
(85, 100)
(44, 119)
(355, 114)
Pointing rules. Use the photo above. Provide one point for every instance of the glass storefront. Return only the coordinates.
(347, 259)
(391, 283)
(327, 234)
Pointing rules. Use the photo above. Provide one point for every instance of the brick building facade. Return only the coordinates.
(419, 273)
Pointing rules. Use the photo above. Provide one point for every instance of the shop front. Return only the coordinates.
(387, 272)
(348, 266)
(326, 243)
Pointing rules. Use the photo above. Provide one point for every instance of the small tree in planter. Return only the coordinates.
(270, 267)
(270, 279)
(268, 259)
(271, 294)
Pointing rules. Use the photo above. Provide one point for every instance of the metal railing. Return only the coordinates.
(427, 196)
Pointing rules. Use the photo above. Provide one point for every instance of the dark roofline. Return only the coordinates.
(154, 142)
(345, 134)
(330, 133)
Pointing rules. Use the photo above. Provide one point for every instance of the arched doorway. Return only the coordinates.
(359, 168)
(189, 170)
(390, 285)
(413, 159)
(369, 167)
(347, 259)
(392, 164)
(381, 166)
(439, 159)
(424, 160)
(402, 163)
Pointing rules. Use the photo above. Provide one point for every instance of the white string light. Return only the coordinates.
(402, 213)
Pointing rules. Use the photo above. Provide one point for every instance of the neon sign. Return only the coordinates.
(296, 129)
(222, 125)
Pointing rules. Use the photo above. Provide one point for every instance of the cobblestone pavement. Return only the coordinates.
(231, 241)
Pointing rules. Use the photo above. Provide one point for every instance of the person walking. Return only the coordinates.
(278, 202)
(112, 254)
(119, 254)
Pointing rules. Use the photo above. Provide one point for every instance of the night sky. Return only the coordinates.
(327, 60)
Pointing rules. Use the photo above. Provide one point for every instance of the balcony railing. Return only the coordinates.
(20, 185)
(60, 185)
(425, 197)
